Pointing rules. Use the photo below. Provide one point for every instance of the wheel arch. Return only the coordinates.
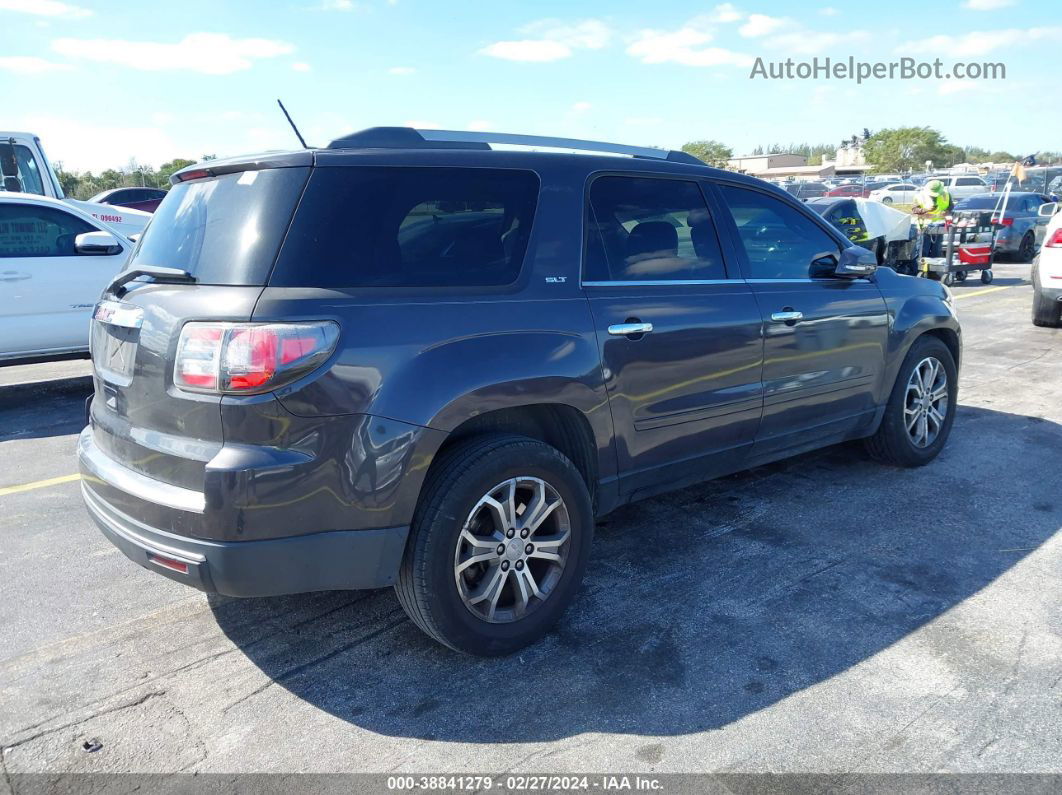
(562, 426)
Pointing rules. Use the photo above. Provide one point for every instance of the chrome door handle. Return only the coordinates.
(787, 317)
(627, 329)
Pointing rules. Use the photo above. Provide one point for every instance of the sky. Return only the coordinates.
(102, 82)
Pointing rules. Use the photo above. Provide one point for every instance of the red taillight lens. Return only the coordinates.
(1003, 221)
(245, 358)
(1055, 241)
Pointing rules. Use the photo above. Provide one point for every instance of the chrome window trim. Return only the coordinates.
(660, 282)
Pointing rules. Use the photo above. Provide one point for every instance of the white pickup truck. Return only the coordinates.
(25, 169)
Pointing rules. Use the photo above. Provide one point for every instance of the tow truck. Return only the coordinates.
(25, 169)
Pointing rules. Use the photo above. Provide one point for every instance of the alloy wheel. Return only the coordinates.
(926, 403)
(512, 549)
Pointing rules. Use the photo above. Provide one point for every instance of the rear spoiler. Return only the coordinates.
(234, 165)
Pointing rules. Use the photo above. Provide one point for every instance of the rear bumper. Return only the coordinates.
(321, 561)
(337, 560)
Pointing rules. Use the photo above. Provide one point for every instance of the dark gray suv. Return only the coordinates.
(413, 360)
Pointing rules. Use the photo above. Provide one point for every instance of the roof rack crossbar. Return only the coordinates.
(408, 137)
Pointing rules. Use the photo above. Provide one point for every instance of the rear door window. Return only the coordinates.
(398, 226)
(223, 230)
(650, 229)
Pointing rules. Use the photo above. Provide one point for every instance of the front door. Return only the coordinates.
(680, 338)
(824, 337)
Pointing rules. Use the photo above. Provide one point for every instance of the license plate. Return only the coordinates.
(115, 334)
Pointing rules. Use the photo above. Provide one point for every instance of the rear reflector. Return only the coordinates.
(247, 358)
(169, 563)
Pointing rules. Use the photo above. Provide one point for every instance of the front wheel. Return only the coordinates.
(498, 545)
(886, 200)
(986, 277)
(921, 408)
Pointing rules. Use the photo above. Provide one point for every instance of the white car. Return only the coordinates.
(961, 187)
(1047, 271)
(55, 260)
(897, 193)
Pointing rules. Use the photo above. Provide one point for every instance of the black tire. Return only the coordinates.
(886, 199)
(1027, 249)
(948, 279)
(960, 276)
(986, 276)
(1044, 312)
(427, 588)
(892, 444)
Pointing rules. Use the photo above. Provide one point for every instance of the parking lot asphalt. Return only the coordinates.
(824, 614)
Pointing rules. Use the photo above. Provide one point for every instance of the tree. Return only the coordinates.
(906, 149)
(166, 170)
(714, 153)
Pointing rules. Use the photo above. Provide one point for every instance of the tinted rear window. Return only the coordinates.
(978, 203)
(370, 226)
(224, 230)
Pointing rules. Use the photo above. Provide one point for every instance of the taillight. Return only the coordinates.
(1003, 221)
(247, 358)
(1055, 241)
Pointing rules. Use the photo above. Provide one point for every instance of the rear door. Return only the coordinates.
(679, 334)
(824, 337)
(47, 289)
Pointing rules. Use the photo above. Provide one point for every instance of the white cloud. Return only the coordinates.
(725, 13)
(761, 24)
(551, 40)
(582, 106)
(829, 11)
(978, 43)
(811, 42)
(533, 50)
(30, 65)
(420, 124)
(45, 8)
(208, 53)
(684, 46)
(480, 125)
(337, 5)
(987, 5)
(401, 70)
(301, 66)
(591, 34)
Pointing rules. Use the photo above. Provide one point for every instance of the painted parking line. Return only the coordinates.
(984, 291)
(38, 484)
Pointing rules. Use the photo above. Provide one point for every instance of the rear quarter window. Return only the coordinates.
(400, 226)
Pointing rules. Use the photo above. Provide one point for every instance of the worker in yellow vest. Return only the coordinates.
(932, 203)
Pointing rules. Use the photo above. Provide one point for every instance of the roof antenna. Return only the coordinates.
(296, 129)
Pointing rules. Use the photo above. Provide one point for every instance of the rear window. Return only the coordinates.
(371, 226)
(224, 230)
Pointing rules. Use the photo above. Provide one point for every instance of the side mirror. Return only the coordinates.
(856, 262)
(97, 243)
(1048, 210)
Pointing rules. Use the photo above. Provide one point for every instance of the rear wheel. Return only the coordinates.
(986, 276)
(960, 276)
(498, 545)
(921, 408)
(1045, 312)
(886, 199)
(1027, 249)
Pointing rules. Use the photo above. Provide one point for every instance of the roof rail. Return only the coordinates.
(410, 138)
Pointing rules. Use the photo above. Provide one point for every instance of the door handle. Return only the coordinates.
(13, 276)
(787, 316)
(629, 329)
